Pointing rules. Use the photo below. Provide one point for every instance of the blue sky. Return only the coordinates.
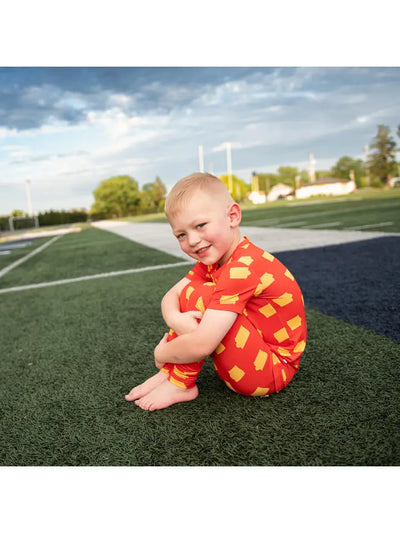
(67, 129)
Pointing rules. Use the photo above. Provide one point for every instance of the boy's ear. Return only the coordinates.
(235, 215)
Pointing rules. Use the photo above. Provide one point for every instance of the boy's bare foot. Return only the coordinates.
(166, 394)
(147, 386)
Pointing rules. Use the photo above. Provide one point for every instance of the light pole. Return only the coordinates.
(229, 165)
(201, 158)
(28, 196)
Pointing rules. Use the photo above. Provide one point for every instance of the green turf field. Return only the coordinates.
(365, 210)
(69, 353)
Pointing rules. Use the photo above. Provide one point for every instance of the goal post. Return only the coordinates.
(23, 222)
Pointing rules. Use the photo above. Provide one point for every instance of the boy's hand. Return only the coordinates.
(185, 322)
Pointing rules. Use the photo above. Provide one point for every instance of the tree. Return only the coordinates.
(267, 181)
(287, 175)
(116, 197)
(322, 174)
(382, 161)
(155, 193)
(240, 188)
(341, 170)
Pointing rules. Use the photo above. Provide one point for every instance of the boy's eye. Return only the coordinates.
(180, 236)
(201, 225)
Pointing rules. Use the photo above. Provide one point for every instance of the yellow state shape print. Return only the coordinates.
(219, 349)
(299, 347)
(189, 292)
(283, 375)
(229, 385)
(267, 310)
(289, 275)
(258, 290)
(229, 299)
(275, 359)
(177, 383)
(239, 273)
(260, 391)
(266, 279)
(284, 352)
(241, 337)
(294, 322)
(285, 299)
(209, 284)
(236, 373)
(260, 360)
(245, 246)
(246, 259)
(281, 335)
(200, 305)
(268, 256)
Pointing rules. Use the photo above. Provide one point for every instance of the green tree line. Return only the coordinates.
(380, 166)
(121, 196)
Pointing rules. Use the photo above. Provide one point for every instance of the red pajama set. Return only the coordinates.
(261, 352)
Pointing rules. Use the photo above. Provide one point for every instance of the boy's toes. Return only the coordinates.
(131, 396)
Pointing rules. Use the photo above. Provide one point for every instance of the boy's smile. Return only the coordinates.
(207, 228)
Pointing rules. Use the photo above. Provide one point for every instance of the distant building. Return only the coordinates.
(280, 191)
(257, 197)
(326, 187)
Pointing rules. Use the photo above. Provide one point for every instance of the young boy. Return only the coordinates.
(239, 305)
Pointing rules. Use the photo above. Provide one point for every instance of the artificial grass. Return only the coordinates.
(70, 353)
(363, 207)
(355, 211)
(18, 253)
(91, 251)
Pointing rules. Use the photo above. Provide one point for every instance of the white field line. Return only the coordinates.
(326, 225)
(291, 224)
(26, 257)
(94, 276)
(377, 225)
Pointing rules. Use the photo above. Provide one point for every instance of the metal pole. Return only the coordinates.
(229, 165)
(201, 158)
(28, 195)
(366, 150)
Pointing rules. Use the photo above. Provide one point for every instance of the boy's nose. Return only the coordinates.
(193, 238)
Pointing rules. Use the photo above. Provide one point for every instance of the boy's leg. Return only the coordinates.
(194, 297)
(155, 393)
(247, 364)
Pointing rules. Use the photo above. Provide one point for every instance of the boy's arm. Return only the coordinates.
(180, 322)
(201, 342)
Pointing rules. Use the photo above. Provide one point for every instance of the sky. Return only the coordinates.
(66, 129)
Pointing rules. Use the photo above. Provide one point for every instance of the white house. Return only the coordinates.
(280, 190)
(257, 197)
(327, 187)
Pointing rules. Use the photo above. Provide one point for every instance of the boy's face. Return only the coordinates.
(207, 228)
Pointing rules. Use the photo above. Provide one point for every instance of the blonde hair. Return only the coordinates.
(185, 188)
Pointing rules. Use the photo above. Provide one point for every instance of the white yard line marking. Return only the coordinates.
(291, 224)
(26, 257)
(377, 225)
(326, 225)
(94, 276)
